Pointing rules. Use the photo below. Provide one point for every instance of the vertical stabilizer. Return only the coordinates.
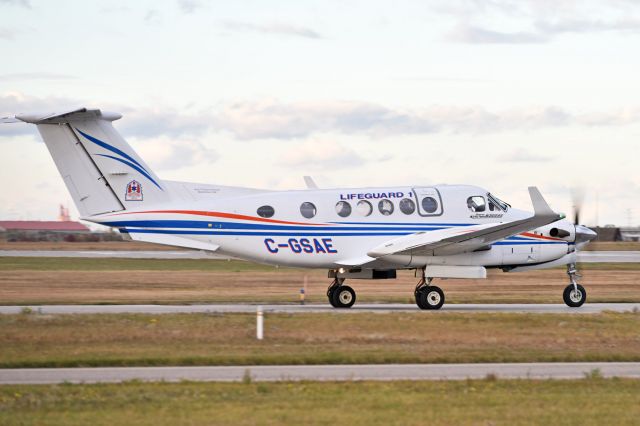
(101, 170)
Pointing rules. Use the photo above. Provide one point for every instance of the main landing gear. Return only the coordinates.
(340, 295)
(574, 294)
(428, 296)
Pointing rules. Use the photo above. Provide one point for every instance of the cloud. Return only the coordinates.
(8, 34)
(23, 3)
(189, 6)
(271, 119)
(321, 154)
(543, 20)
(476, 35)
(524, 156)
(272, 28)
(170, 154)
(36, 76)
(152, 16)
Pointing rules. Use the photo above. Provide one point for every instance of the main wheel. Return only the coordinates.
(431, 297)
(343, 297)
(330, 297)
(574, 298)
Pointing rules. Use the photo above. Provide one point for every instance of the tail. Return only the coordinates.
(102, 172)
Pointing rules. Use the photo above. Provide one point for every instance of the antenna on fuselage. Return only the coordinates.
(311, 184)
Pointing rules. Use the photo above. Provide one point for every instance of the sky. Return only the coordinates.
(497, 93)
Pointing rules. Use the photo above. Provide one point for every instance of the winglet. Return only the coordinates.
(540, 206)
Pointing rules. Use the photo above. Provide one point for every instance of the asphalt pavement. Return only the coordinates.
(550, 308)
(274, 373)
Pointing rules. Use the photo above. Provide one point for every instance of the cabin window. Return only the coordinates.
(429, 204)
(385, 207)
(343, 208)
(476, 203)
(266, 211)
(407, 206)
(308, 210)
(364, 208)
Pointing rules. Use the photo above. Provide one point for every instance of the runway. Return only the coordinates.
(583, 256)
(269, 373)
(588, 308)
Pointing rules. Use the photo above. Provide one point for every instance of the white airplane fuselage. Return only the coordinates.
(229, 219)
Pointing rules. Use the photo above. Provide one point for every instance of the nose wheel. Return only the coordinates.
(574, 294)
(428, 297)
(340, 295)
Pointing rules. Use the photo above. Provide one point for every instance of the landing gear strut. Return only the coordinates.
(340, 295)
(428, 296)
(574, 294)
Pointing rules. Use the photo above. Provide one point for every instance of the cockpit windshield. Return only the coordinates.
(497, 202)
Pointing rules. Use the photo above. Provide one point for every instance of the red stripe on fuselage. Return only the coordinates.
(223, 215)
(540, 237)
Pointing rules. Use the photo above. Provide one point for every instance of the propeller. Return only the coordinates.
(577, 195)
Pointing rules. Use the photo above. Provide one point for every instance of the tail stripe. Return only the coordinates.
(133, 166)
(136, 165)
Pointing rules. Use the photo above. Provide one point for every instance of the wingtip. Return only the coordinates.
(540, 205)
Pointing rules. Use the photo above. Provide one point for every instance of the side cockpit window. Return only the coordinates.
(476, 203)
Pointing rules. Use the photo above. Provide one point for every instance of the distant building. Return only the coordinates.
(607, 233)
(33, 230)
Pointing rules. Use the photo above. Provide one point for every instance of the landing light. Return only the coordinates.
(341, 270)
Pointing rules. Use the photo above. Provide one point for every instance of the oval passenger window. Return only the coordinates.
(343, 208)
(308, 210)
(364, 208)
(429, 204)
(386, 207)
(266, 211)
(407, 206)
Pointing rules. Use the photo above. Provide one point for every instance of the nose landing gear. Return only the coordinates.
(428, 296)
(339, 295)
(574, 294)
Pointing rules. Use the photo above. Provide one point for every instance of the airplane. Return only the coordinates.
(440, 231)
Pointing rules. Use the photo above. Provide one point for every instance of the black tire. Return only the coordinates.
(343, 297)
(430, 298)
(330, 297)
(573, 299)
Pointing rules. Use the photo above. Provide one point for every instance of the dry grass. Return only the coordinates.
(85, 281)
(613, 246)
(206, 339)
(100, 245)
(473, 402)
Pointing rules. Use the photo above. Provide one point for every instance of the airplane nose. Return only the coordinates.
(584, 234)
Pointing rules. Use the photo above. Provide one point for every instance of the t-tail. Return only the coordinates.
(100, 169)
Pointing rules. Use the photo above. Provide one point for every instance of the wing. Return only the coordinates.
(455, 240)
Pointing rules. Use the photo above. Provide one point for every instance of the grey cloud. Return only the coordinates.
(270, 119)
(544, 19)
(524, 156)
(272, 28)
(476, 35)
(587, 26)
(8, 34)
(152, 15)
(23, 3)
(36, 76)
(189, 6)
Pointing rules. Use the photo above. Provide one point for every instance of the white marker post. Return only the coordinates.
(259, 323)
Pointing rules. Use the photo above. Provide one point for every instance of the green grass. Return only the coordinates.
(591, 401)
(33, 340)
(118, 264)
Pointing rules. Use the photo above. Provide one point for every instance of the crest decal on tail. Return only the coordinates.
(134, 191)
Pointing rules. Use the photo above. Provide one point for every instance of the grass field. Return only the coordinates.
(107, 281)
(591, 401)
(34, 340)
